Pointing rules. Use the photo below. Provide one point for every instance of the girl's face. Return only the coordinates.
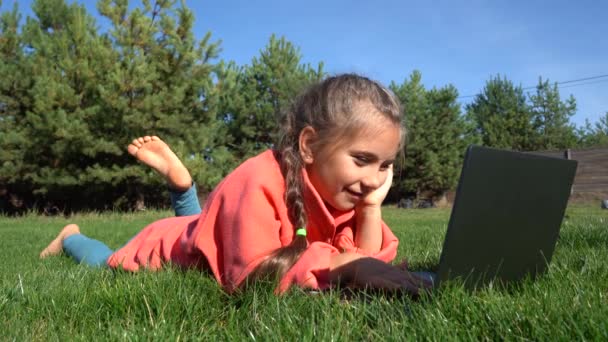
(344, 174)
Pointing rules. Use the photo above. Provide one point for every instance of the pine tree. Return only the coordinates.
(265, 89)
(15, 82)
(436, 138)
(551, 117)
(501, 116)
(161, 82)
(13, 87)
(412, 95)
(594, 135)
(446, 140)
(72, 99)
(65, 60)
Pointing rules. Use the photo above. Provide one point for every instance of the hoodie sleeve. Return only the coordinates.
(345, 242)
(312, 269)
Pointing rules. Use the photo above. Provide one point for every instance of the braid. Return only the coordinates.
(282, 259)
(291, 166)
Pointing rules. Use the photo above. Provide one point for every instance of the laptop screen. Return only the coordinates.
(506, 216)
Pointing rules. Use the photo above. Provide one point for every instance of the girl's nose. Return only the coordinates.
(373, 180)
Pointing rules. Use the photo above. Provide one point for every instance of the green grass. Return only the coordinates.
(56, 299)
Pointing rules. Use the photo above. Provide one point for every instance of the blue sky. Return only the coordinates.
(459, 42)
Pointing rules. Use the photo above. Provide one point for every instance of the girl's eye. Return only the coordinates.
(384, 167)
(361, 160)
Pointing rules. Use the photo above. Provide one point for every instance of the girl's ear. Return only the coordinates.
(306, 139)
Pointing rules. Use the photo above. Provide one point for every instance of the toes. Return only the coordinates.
(132, 149)
(136, 143)
(139, 142)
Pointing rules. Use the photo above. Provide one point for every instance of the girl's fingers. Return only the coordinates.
(421, 281)
(412, 288)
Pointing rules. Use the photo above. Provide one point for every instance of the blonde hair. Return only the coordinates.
(329, 108)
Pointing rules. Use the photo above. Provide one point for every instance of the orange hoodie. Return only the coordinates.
(243, 220)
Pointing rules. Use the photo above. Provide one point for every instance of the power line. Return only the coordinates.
(559, 83)
(585, 83)
(583, 79)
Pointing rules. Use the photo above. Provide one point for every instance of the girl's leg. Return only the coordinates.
(185, 203)
(86, 251)
(81, 248)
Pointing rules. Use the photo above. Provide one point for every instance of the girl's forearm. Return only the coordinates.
(368, 236)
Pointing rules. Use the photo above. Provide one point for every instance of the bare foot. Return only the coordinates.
(56, 246)
(155, 153)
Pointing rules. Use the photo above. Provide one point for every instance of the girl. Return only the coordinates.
(307, 212)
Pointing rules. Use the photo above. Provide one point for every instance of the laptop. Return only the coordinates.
(506, 217)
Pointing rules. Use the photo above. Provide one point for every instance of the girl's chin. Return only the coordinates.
(341, 206)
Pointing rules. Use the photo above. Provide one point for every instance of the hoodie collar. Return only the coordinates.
(322, 219)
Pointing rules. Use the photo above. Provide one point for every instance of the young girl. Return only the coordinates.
(307, 212)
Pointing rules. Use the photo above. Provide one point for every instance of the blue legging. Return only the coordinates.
(94, 253)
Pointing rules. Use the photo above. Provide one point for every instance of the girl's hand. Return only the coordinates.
(376, 197)
(365, 272)
(369, 216)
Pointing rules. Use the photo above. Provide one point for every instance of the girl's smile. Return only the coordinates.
(356, 195)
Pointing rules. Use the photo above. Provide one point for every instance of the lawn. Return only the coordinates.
(56, 299)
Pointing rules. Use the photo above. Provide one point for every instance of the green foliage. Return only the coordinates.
(52, 76)
(551, 117)
(594, 135)
(74, 98)
(501, 116)
(162, 82)
(505, 118)
(263, 90)
(15, 82)
(436, 138)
